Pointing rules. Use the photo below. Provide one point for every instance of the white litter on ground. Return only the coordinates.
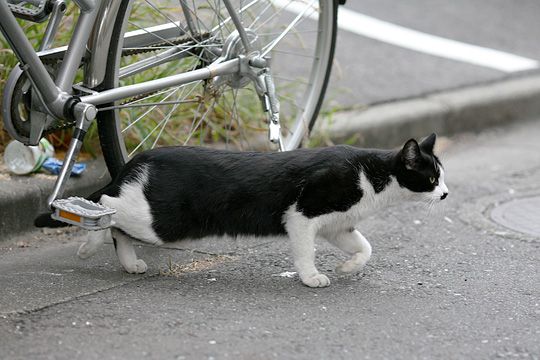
(286, 274)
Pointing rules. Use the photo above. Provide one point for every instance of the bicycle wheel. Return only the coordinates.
(298, 35)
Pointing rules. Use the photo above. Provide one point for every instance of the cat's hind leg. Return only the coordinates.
(302, 236)
(354, 243)
(125, 251)
(94, 241)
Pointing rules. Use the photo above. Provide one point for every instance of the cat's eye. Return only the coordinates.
(432, 179)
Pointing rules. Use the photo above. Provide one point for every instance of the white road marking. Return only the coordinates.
(415, 40)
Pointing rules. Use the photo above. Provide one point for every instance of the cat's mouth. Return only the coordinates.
(435, 196)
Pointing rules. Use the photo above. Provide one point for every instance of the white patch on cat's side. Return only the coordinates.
(133, 214)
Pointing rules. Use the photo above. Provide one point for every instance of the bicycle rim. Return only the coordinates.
(299, 36)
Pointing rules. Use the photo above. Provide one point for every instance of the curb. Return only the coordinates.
(22, 198)
(446, 113)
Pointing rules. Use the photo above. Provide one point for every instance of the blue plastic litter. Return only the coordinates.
(53, 165)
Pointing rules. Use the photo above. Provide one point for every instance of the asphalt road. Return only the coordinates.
(369, 71)
(447, 283)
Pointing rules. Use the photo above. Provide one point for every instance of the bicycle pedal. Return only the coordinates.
(83, 213)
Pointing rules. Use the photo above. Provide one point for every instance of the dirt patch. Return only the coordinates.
(177, 270)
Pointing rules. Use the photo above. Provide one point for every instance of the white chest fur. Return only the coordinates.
(368, 204)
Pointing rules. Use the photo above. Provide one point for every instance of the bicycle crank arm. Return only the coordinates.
(84, 115)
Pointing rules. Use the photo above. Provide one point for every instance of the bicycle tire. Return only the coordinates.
(109, 124)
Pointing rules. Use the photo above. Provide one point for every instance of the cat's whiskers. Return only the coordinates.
(431, 206)
(429, 202)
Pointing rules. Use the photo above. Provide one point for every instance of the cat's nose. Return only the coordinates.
(444, 195)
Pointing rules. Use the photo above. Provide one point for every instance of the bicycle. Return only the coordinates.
(178, 67)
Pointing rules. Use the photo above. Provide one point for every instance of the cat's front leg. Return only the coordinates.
(123, 244)
(302, 235)
(354, 243)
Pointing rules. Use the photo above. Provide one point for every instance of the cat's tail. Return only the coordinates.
(46, 221)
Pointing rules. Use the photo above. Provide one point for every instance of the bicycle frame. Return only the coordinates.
(55, 96)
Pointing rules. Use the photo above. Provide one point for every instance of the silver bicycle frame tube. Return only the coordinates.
(77, 44)
(238, 25)
(227, 67)
(98, 59)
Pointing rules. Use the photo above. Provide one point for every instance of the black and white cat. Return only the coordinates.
(172, 193)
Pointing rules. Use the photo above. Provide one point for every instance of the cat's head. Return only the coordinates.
(420, 171)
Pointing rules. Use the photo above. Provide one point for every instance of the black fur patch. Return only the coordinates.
(195, 192)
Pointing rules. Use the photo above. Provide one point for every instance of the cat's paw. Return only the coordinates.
(355, 264)
(317, 280)
(86, 250)
(138, 267)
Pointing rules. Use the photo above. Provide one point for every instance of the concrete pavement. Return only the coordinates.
(446, 283)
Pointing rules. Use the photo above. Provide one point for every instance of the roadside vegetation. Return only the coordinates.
(217, 126)
(206, 117)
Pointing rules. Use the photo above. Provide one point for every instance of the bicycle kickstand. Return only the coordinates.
(259, 71)
(272, 108)
(76, 210)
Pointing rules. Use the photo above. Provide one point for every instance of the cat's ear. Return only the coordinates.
(410, 154)
(428, 143)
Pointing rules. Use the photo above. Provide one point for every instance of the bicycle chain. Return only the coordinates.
(177, 41)
(54, 61)
(155, 47)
